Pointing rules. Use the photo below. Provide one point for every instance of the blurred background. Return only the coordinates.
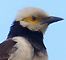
(55, 36)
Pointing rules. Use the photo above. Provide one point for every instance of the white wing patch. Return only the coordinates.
(24, 51)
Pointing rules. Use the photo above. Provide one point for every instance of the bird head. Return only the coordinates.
(35, 19)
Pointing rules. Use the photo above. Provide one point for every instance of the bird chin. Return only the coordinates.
(35, 27)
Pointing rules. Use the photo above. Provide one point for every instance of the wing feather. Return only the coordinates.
(5, 48)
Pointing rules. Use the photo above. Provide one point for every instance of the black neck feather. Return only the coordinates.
(34, 37)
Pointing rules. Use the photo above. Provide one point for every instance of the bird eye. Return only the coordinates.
(34, 18)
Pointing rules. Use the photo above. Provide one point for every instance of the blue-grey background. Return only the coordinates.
(55, 36)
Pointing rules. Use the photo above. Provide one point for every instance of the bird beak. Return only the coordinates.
(51, 19)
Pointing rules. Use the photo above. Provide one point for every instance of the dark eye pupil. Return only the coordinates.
(34, 18)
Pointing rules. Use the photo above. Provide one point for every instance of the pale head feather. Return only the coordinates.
(29, 12)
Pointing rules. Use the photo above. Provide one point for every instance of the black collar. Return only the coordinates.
(34, 37)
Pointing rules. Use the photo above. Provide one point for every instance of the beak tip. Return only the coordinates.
(51, 19)
(61, 19)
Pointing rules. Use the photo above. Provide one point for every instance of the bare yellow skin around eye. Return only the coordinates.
(30, 20)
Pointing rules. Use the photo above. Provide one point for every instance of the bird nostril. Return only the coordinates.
(49, 17)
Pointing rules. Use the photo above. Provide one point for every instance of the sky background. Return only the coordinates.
(55, 36)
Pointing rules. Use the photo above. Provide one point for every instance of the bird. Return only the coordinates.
(25, 38)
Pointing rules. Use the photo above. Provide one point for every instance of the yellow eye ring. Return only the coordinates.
(32, 19)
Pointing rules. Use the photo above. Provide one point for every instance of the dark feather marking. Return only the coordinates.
(34, 37)
(5, 47)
